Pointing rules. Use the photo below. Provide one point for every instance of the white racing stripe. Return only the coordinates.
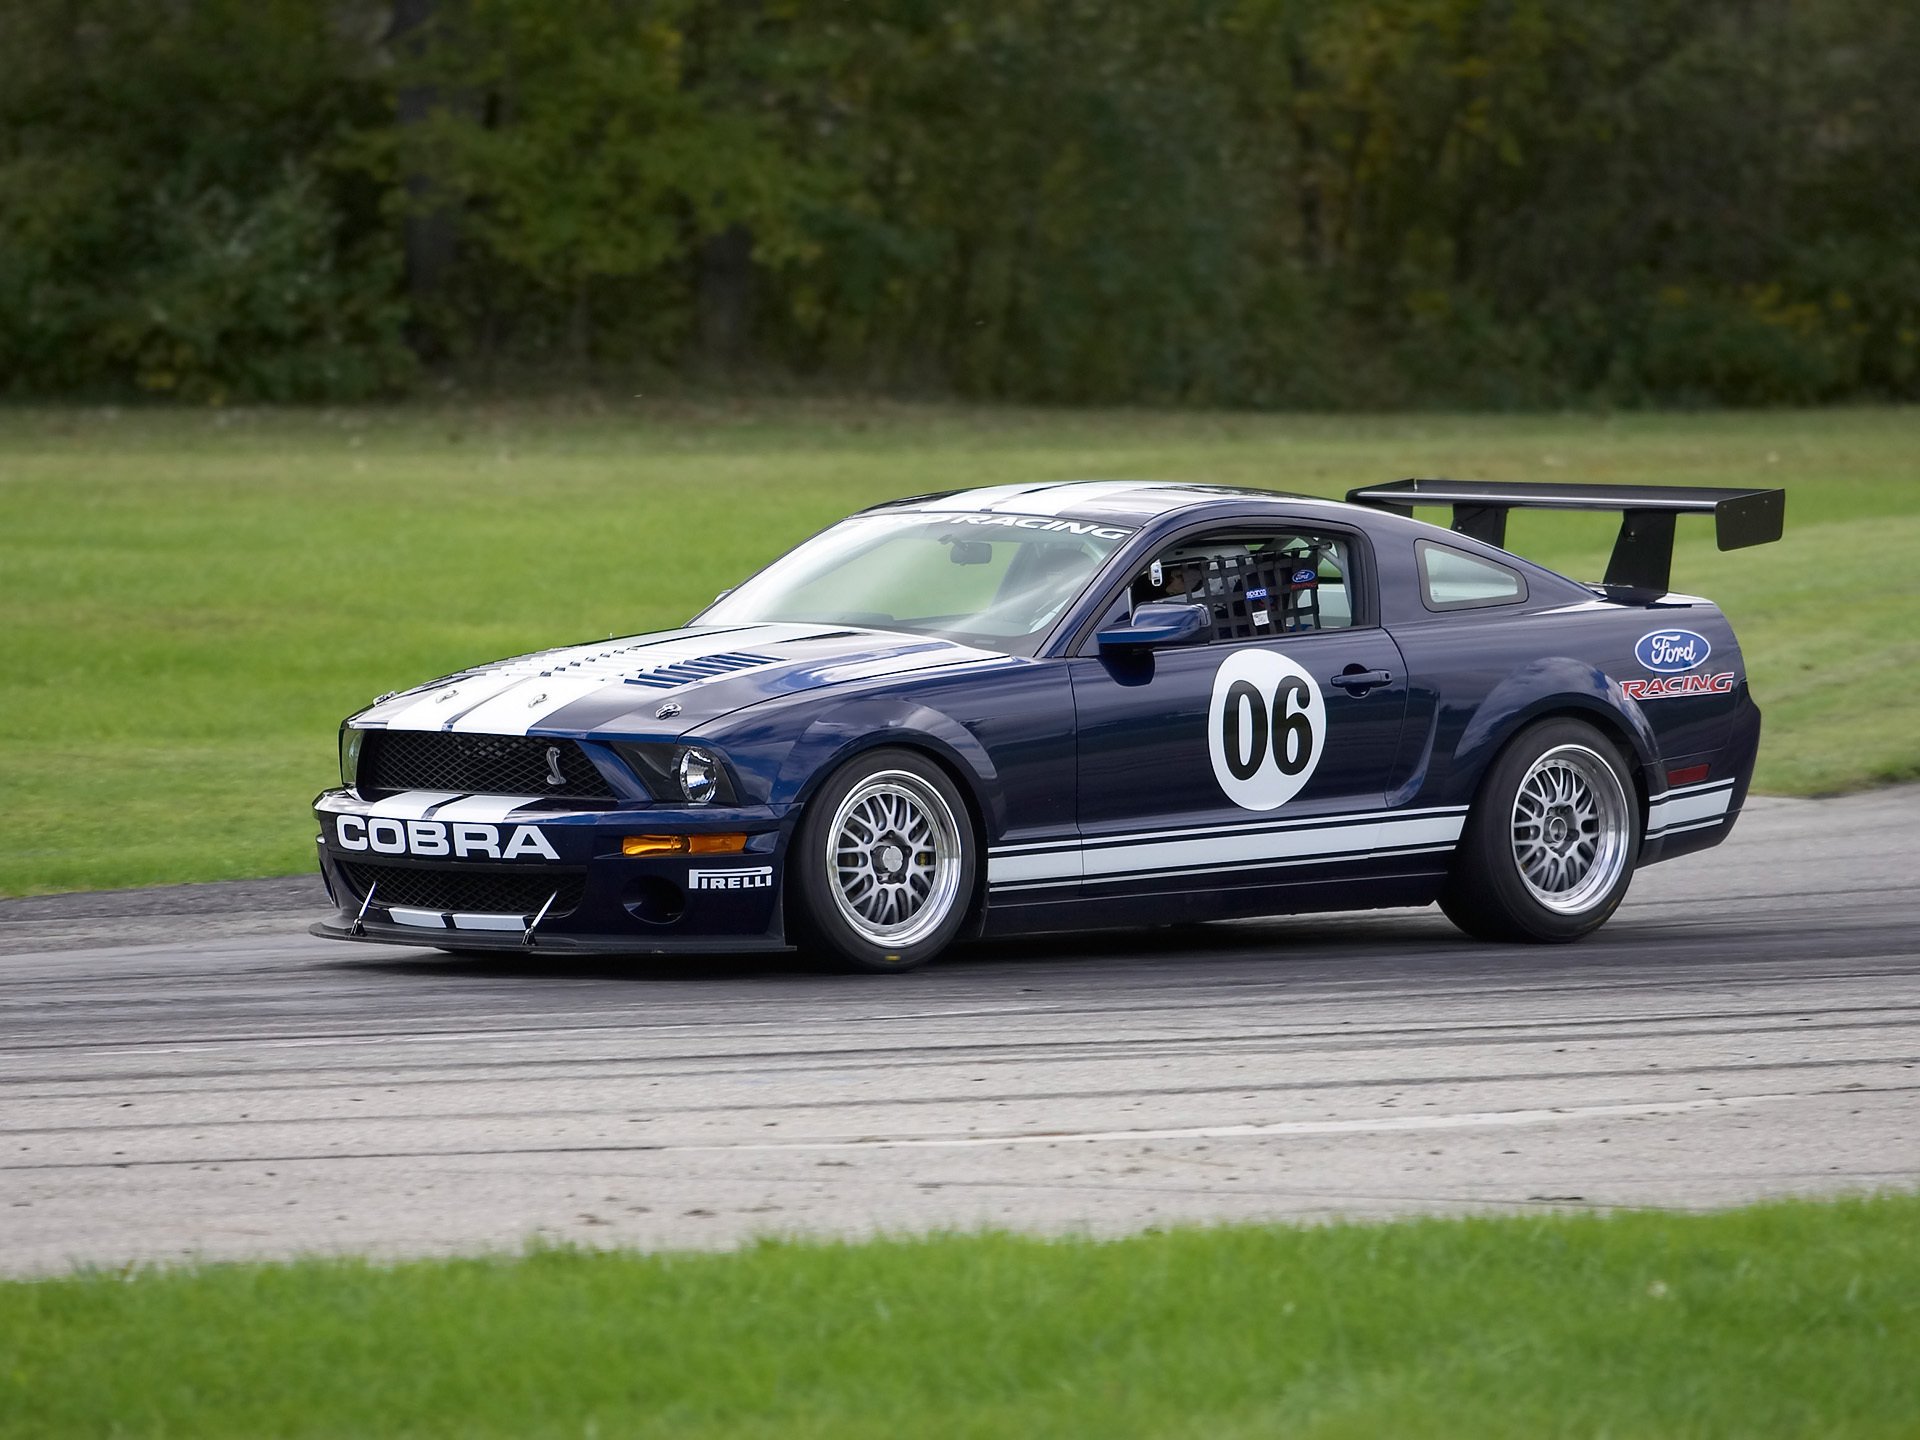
(1058, 868)
(524, 706)
(1688, 806)
(988, 496)
(1245, 867)
(433, 805)
(426, 919)
(1239, 827)
(409, 804)
(1062, 498)
(500, 699)
(484, 807)
(1697, 825)
(1270, 844)
(1044, 499)
(932, 659)
(1195, 852)
(1287, 845)
(435, 708)
(463, 921)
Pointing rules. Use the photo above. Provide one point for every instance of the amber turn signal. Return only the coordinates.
(729, 844)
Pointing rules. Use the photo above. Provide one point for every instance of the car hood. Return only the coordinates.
(663, 684)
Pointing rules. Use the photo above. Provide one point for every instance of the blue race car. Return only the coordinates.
(1050, 707)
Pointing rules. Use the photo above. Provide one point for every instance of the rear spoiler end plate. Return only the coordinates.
(1642, 557)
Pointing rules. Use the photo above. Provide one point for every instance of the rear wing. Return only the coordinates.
(1642, 555)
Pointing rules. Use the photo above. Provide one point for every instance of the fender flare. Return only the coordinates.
(1557, 685)
(835, 737)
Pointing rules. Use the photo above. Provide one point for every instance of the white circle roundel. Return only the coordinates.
(1266, 728)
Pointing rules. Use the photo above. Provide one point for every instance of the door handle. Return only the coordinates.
(1356, 681)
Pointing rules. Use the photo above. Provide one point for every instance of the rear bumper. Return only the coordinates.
(1687, 818)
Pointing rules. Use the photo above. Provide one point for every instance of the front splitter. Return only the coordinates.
(512, 943)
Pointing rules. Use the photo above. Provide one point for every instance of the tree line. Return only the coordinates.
(1313, 203)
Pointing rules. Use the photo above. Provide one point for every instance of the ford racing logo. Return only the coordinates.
(1668, 652)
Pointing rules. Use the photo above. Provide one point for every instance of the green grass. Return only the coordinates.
(190, 601)
(1792, 1319)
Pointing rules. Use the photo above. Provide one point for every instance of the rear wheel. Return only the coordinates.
(1549, 846)
(884, 864)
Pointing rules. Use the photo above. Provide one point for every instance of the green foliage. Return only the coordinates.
(1249, 202)
(249, 298)
(1755, 347)
(170, 223)
(584, 144)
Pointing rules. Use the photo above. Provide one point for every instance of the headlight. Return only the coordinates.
(679, 774)
(699, 775)
(350, 742)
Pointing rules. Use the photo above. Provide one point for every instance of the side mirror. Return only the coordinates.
(1158, 624)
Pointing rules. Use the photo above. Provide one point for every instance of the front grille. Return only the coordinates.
(475, 889)
(395, 760)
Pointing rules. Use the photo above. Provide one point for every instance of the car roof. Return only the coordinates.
(1122, 502)
(1137, 504)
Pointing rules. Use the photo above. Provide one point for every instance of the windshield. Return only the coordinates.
(996, 581)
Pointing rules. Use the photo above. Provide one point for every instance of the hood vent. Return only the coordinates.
(669, 677)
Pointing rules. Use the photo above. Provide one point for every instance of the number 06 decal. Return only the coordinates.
(1266, 728)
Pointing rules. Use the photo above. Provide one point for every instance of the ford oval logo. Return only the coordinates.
(1668, 652)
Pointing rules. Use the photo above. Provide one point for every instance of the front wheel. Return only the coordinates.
(1549, 846)
(884, 864)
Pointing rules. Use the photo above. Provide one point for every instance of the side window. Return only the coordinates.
(1454, 580)
(1256, 583)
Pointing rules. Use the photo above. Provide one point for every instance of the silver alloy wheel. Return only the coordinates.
(1571, 829)
(893, 862)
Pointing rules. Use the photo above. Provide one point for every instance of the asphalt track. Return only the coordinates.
(185, 1073)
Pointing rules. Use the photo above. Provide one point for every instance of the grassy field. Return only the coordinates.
(192, 600)
(1782, 1320)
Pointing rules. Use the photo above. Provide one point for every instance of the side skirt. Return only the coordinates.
(1010, 915)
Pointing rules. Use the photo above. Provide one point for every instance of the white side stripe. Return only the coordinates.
(1688, 805)
(1070, 842)
(1682, 829)
(1248, 867)
(1015, 869)
(1357, 837)
(1288, 844)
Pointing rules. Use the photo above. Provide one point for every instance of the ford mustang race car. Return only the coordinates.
(1048, 707)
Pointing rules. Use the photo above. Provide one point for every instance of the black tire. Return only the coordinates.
(1518, 878)
(860, 904)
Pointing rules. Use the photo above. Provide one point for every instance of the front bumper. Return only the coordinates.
(506, 873)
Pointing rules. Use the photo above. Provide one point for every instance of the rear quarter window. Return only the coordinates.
(1454, 580)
